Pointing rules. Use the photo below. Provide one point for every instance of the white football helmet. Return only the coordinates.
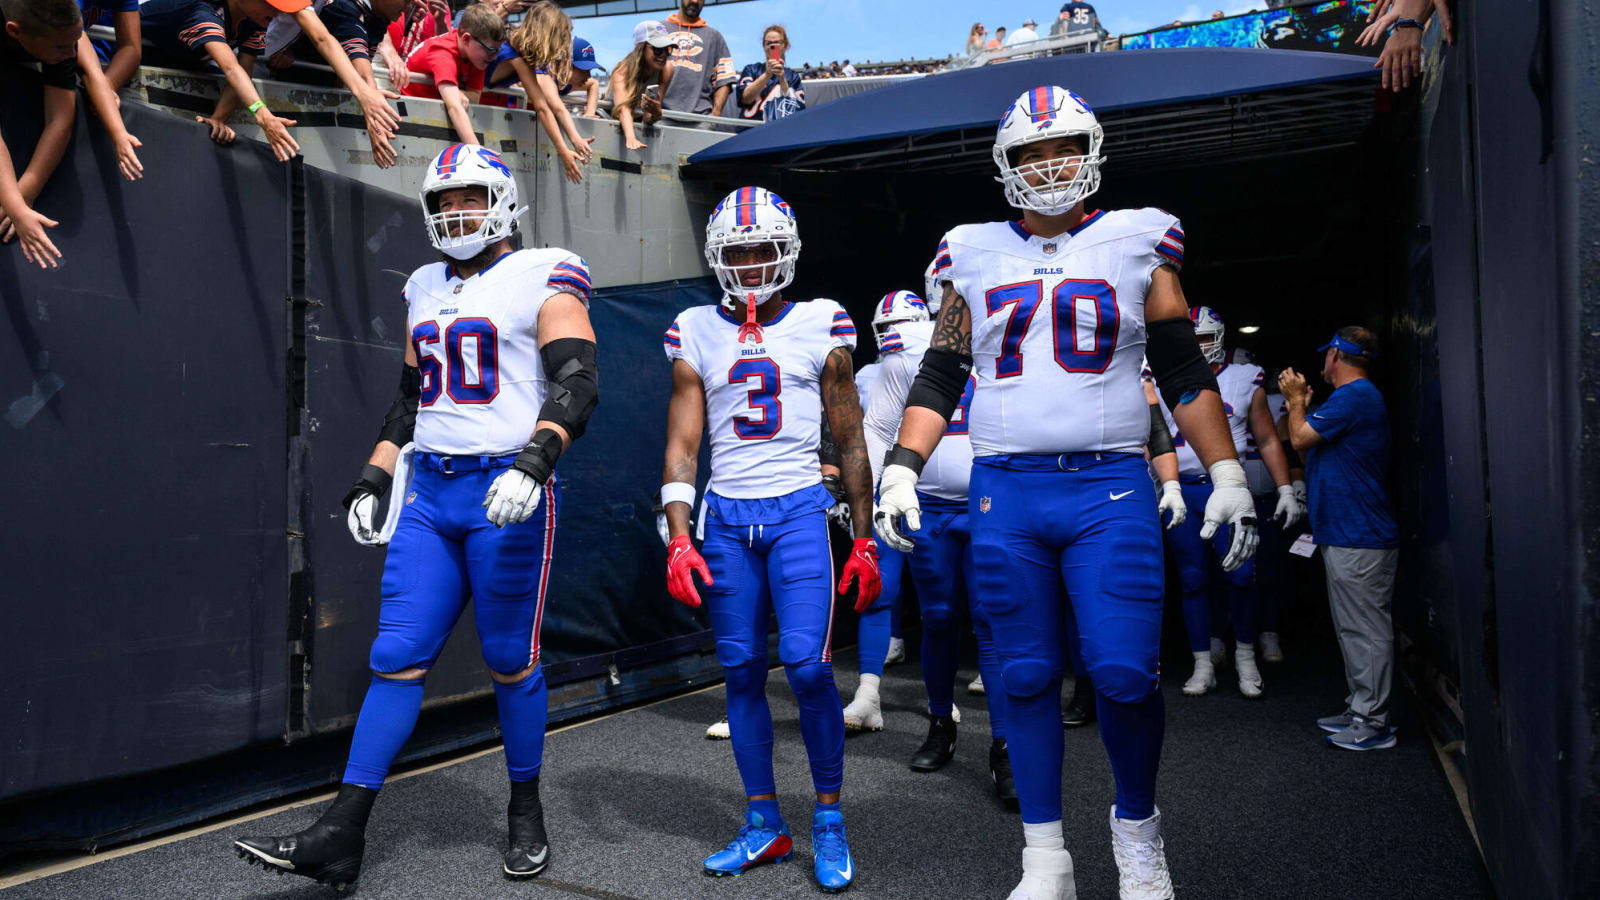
(752, 215)
(1041, 114)
(1208, 329)
(894, 308)
(1241, 356)
(467, 165)
(932, 290)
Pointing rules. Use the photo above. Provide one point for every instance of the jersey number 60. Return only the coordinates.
(1083, 321)
(463, 385)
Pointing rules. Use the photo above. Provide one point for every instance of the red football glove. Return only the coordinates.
(682, 562)
(862, 568)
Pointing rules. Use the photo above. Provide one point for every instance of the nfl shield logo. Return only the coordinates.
(1049, 248)
(983, 504)
(411, 497)
(458, 289)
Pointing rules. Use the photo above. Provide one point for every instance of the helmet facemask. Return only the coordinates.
(461, 233)
(1060, 182)
(775, 268)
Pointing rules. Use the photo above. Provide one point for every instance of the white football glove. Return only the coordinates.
(662, 529)
(512, 497)
(1290, 510)
(839, 515)
(1172, 502)
(1301, 494)
(897, 496)
(1232, 504)
(360, 519)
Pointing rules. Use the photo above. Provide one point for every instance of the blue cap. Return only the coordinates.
(583, 54)
(1350, 347)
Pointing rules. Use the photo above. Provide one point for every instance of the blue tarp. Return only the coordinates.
(978, 97)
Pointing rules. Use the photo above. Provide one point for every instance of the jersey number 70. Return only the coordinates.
(1083, 321)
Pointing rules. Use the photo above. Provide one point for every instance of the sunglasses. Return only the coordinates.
(492, 49)
(660, 51)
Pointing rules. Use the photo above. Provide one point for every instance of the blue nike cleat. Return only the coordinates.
(834, 866)
(755, 844)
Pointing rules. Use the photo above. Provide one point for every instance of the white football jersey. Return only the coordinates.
(950, 468)
(1237, 383)
(477, 347)
(865, 379)
(1058, 329)
(763, 401)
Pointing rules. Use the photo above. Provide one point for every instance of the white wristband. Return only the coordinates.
(677, 492)
(1227, 471)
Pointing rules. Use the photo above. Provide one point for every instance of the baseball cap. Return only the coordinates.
(653, 33)
(289, 6)
(1029, 23)
(582, 54)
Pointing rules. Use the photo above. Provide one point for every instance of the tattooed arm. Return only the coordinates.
(686, 421)
(842, 404)
(922, 427)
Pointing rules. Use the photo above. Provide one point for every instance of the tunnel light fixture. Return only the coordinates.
(1249, 329)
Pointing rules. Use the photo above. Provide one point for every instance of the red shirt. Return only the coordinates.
(439, 58)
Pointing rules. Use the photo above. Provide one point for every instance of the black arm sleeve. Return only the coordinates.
(1292, 456)
(827, 450)
(401, 420)
(569, 364)
(1175, 359)
(940, 381)
(1160, 438)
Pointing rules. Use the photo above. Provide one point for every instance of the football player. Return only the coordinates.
(864, 712)
(499, 380)
(763, 371)
(1051, 314)
(1244, 402)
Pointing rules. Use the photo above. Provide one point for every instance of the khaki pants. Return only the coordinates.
(1360, 591)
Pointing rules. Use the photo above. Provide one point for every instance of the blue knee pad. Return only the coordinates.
(802, 661)
(748, 677)
(505, 656)
(1123, 683)
(394, 653)
(1028, 677)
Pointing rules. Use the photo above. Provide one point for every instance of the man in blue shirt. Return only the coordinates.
(1346, 444)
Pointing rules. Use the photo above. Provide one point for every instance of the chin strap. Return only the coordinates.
(750, 328)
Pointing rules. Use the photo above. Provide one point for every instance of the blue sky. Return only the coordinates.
(825, 30)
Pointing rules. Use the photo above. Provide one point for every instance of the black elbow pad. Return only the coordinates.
(941, 381)
(574, 383)
(1180, 369)
(400, 422)
(1160, 438)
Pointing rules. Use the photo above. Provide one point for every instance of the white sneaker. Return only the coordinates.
(897, 652)
(1244, 659)
(718, 730)
(864, 713)
(1219, 652)
(976, 685)
(1141, 858)
(1271, 650)
(1204, 677)
(1046, 875)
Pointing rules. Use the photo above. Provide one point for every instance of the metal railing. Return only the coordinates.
(671, 116)
(1089, 42)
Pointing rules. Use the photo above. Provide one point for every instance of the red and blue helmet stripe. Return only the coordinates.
(1041, 106)
(449, 159)
(744, 207)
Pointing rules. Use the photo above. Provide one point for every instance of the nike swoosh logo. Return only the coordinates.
(751, 857)
(1117, 496)
(849, 868)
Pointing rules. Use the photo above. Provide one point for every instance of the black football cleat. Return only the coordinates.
(1080, 710)
(529, 849)
(329, 852)
(1005, 787)
(940, 747)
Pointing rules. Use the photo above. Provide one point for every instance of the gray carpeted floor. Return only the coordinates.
(1254, 806)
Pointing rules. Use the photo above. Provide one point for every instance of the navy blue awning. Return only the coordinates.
(891, 125)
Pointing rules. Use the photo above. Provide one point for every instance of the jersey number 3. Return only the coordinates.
(766, 411)
(474, 380)
(1083, 322)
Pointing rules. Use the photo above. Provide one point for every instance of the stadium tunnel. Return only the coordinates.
(1446, 219)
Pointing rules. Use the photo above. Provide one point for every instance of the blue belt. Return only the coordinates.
(455, 465)
(1051, 462)
(931, 503)
(1194, 479)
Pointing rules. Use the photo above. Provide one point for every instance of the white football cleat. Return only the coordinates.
(897, 651)
(719, 730)
(1271, 650)
(976, 685)
(1141, 858)
(864, 712)
(955, 714)
(1046, 875)
(1244, 659)
(1219, 652)
(1204, 677)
